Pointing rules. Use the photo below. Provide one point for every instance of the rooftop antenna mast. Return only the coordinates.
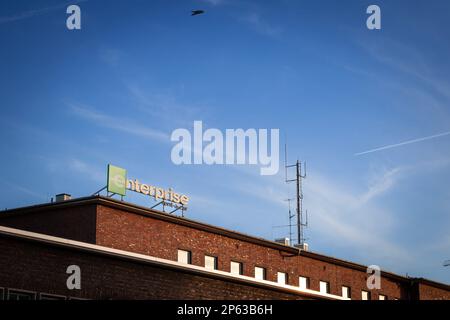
(291, 216)
(299, 196)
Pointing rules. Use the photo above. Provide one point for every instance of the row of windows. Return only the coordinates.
(282, 277)
(16, 295)
(210, 263)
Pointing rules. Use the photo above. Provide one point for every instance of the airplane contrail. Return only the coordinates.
(403, 143)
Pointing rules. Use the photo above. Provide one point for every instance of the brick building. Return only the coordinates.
(125, 251)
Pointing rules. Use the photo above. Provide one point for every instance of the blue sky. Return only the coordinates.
(112, 92)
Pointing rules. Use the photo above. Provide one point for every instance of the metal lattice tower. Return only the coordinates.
(299, 197)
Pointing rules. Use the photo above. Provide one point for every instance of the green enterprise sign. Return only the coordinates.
(117, 180)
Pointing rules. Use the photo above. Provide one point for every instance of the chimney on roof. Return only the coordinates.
(63, 197)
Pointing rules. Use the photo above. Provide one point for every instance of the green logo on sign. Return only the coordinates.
(117, 180)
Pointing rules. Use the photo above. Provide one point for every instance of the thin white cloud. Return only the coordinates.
(81, 167)
(391, 146)
(214, 2)
(119, 124)
(261, 26)
(165, 106)
(429, 99)
(26, 190)
(36, 12)
(341, 216)
(408, 60)
(110, 56)
(381, 185)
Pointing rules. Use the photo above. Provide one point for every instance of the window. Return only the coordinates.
(365, 295)
(282, 278)
(21, 295)
(260, 273)
(184, 256)
(324, 287)
(236, 267)
(382, 297)
(346, 292)
(303, 282)
(45, 296)
(211, 262)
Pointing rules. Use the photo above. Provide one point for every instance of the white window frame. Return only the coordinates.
(263, 273)
(187, 259)
(237, 265)
(324, 285)
(365, 295)
(303, 282)
(210, 262)
(282, 277)
(348, 292)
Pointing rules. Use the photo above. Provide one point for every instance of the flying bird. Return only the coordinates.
(197, 12)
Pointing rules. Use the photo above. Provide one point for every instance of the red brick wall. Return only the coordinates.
(427, 292)
(38, 267)
(141, 234)
(116, 228)
(70, 222)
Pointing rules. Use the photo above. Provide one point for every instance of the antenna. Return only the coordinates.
(299, 196)
(290, 225)
(285, 162)
(290, 219)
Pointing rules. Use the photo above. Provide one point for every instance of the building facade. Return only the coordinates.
(125, 251)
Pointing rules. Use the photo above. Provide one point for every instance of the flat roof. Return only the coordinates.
(144, 211)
